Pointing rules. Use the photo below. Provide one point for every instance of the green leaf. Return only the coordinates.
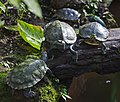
(31, 34)
(2, 23)
(15, 2)
(2, 7)
(66, 96)
(12, 27)
(34, 7)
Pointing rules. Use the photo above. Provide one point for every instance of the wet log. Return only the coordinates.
(90, 59)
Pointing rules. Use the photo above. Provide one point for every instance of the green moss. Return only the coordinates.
(48, 93)
(5, 91)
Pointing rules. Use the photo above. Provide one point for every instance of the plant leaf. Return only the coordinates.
(15, 2)
(2, 7)
(65, 95)
(34, 7)
(12, 27)
(2, 23)
(31, 34)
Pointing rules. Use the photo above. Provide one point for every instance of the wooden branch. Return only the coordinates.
(91, 58)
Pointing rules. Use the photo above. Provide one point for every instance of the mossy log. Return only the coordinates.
(91, 59)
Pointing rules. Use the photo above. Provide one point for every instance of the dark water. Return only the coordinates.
(92, 87)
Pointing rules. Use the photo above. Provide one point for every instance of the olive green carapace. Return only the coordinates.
(94, 32)
(57, 30)
(26, 74)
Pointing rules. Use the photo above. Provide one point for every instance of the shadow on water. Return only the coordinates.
(92, 87)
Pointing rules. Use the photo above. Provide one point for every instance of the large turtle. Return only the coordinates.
(93, 33)
(60, 35)
(26, 75)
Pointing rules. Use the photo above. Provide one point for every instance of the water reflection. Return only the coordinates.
(92, 87)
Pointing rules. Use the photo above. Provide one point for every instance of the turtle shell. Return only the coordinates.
(94, 29)
(57, 30)
(92, 18)
(26, 74)
(68, 14)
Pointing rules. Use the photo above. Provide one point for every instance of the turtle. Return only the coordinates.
(68, 14)
(91, 18)
(59, 35)
(26, 75)
(94, 33)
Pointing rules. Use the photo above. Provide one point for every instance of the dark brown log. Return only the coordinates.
(91, 58)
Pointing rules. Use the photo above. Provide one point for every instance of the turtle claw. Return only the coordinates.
(28, 93)
(104, 48)
(74, 52)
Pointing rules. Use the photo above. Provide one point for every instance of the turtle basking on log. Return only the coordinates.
(93, 33)
(60, 35)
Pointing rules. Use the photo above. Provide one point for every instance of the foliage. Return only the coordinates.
(100, 8)
(63, 92)
(31, 34)
(15, 2)
(33, 6)
(2, 7)
(53, 91)
(91, 6)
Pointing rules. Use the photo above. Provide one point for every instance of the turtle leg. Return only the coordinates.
(44, 56)
(50, 72)
(74, 52)
(43, 51)
(29, 93)
(61, 42)
(104, 48)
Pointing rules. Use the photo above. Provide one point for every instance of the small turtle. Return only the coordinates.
(92, 18)
(60, 35)
(94, 33)
(68, 14)
(26, 75)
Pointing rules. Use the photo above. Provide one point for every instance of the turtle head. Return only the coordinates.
(92, 40)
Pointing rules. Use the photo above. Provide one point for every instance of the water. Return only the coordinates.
(92, 87)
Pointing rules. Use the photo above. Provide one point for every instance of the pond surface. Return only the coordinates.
(92, 87)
